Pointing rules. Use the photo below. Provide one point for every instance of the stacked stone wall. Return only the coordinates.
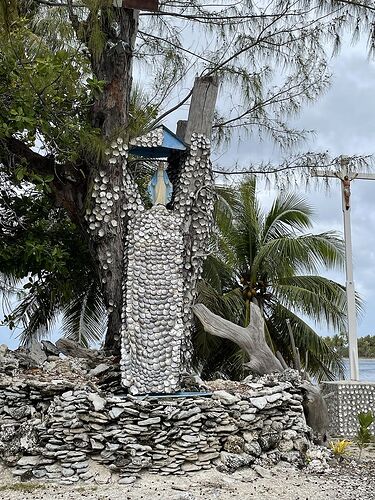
(50, 433)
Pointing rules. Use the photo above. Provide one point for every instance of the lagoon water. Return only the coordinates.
(366, 369)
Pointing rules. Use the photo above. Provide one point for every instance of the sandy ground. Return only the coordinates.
(349, 481)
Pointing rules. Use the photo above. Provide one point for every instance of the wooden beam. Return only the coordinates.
(202, 107)
(151, 5)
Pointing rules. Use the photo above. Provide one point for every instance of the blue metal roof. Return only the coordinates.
(170, 144)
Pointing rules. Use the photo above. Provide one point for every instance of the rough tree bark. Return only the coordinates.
(110, 113)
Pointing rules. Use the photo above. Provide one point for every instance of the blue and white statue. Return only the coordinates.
(160, 187)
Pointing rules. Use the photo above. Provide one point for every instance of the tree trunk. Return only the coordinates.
(114, 66)
(107, 222)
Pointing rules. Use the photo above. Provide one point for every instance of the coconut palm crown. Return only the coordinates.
(270, 259)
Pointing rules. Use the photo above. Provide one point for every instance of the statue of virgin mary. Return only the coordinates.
(160, 187)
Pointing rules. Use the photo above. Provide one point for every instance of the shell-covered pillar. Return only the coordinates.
(194, 201)
(164, 254)
(194, 197)
(152, 317)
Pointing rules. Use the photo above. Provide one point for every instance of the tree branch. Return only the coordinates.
(39, 163)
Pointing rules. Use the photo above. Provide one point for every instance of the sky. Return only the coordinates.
(344, 121)
(344, 124)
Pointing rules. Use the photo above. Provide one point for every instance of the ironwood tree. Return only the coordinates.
(68, 88)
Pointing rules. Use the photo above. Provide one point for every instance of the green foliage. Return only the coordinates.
(366, 345)
(141, 112)
(43, 257)
(46, 91)
(364, 435)
(267, 259)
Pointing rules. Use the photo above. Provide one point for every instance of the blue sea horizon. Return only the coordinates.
(366, 369)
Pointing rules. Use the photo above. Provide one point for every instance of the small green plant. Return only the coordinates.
(340, 448)
(364, 436)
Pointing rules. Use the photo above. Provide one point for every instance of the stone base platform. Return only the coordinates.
(53, 434)
(345, 399)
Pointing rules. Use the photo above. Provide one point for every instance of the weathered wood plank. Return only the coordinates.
(151, 5)
(202, 107)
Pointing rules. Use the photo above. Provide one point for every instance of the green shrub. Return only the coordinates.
(364, 435)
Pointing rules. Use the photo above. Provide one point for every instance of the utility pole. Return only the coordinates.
(346, 176)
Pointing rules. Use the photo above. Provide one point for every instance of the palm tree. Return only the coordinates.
(47, 277)
(267, 258)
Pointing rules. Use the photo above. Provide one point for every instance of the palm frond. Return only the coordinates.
(289, 213)
(319, 298)
(270, 258)
(214, 355)
(323, 361)
(38, 311)
(287, 256)
(84, 318)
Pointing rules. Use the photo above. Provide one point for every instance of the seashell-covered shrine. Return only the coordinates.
(163, 247)
(163, 260)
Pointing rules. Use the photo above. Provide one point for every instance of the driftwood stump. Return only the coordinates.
(251, 339)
